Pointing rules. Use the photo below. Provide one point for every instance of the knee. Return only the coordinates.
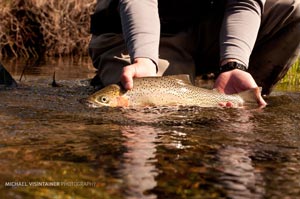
(294, 21)
(293, 6)
(297, 9)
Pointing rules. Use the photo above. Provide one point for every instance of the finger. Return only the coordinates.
(260, 100)
(226, 104)
(127, 77)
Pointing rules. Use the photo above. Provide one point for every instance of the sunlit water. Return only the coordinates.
(52, 146)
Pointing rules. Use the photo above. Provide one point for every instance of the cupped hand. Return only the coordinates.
(142, 67)
(236, 81)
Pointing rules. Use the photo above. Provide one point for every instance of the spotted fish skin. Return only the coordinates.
(167, 91)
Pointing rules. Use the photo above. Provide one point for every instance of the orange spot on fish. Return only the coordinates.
(122, 101)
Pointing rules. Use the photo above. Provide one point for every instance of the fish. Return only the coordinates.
(174, 90)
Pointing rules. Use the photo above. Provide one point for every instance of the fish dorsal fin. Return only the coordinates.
(182, 78)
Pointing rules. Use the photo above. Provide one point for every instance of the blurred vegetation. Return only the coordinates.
(31, 28)
(291, 80)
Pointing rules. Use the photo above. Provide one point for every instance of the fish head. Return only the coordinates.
(112, 95)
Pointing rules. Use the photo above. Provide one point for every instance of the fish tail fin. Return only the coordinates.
(251, 96)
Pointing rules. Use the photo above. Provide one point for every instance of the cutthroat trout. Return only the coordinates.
(167, 91)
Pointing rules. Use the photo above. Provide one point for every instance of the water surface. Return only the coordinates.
(52, 146)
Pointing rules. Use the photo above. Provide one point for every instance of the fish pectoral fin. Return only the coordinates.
(182, 78)
(251, 96)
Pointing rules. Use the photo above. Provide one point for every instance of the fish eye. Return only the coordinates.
(104, 99)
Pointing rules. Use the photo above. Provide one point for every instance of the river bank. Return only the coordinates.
(33, 28)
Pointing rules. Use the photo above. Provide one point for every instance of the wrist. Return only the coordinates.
(231, 64)
(149, 63)
(225, 61)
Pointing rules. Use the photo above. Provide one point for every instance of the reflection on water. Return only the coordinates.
(48, 136)
(64, 68)
(138, 169)
(238, 174)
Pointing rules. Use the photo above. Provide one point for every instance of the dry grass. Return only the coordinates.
(31, 28)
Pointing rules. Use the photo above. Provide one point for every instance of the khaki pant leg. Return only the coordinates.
(277, 46)
(175, 53)
(109, 56)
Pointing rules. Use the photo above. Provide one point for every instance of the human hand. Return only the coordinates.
(142, 67)
(236, 81)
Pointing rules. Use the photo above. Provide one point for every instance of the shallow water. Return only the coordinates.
(52, 146)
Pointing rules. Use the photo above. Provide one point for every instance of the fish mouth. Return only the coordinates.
(89, 103)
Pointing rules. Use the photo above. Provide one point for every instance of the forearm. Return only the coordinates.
(239, 29)
(141, 28)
